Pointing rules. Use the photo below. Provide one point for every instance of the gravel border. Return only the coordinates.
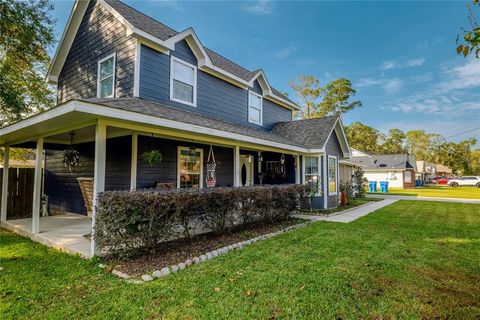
(204, 257)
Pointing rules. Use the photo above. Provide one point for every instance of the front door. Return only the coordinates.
(246, 170)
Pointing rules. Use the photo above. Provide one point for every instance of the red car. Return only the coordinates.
(441, 180)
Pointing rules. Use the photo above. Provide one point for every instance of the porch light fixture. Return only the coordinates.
(249, 158)
(282, 159)
(260, 157)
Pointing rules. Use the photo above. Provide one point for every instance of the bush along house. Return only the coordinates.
(141, 105)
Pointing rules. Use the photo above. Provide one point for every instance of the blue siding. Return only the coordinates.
(215, 97)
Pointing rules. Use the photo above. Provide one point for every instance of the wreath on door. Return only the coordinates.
(211, 167)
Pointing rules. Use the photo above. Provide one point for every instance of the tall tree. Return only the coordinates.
(475, 162)
(394, 142)
(26, 33)
(318, 101)
(363, 137)
(469, 42)
(336, 98)
(457, 156)
(308, 91)
(422, 144)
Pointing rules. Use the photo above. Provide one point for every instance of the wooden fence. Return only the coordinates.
(20, 192)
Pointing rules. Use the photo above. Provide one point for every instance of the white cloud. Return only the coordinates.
(389, 85)
(171, 4)
(422, 78)
(260, 7)
(285, 52)
(305, 62)
(464, 76)
(392, 64)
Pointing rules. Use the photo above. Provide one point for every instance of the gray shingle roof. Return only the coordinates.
(155, 109)
(311, 133)
(386, 161)
(143, 22)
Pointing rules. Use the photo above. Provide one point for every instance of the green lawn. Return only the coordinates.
(437, 191)
(412, 259)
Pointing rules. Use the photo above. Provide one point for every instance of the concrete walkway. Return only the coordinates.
(349, 215)
(459, 200)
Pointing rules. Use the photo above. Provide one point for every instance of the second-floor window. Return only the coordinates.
(106, 77)
(255, 106)
(183, 82)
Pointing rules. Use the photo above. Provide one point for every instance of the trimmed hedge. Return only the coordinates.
(126, 221)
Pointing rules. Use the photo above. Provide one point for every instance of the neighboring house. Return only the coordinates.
(426, 171)
(397, 169)
(127, 84)
(443, 171)
(348, 167)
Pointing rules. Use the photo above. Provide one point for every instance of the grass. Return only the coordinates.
(413, 259)
(352, 203)
(437, 191)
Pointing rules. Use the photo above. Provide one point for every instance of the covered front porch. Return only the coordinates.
(111, 155)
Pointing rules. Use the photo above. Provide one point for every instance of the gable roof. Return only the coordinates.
(314, 133)
(144, 26)
(386, 161)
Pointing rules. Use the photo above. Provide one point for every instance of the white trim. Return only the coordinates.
(297, 169)
(136, 71)
(133, 162)
(37, 187)
(114, 71)
(179, 149)
(260, 123)
(194, 103)
(336, 175)
(113, 113)
(98, 173)
(318, 174)
(303, 169)
(325, 181)
(236, 166)
(4, 205)
(130, 28)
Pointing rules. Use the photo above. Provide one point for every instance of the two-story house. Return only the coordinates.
(127, 84)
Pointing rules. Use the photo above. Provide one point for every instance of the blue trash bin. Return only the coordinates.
(372, 186)
(384, 186)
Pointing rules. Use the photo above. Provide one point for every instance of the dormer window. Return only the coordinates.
(255, 107)
(106, 77)
(183, 82)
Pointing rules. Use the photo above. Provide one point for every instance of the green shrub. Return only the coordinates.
(127, 221)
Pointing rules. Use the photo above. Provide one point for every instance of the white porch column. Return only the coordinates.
(302, 178)
(236, 166)
(37, 187)
(325, 180)
(99, 172)
(3, 210)
(133, 168)
(297, 170)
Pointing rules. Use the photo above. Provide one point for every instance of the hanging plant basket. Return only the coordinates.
(153, 157)
(71, 159)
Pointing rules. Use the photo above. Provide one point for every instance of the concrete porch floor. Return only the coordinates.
(64, 232)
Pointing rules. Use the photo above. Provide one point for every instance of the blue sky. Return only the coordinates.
(400, 56)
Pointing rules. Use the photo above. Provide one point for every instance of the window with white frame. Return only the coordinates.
(255, 106)
(312, 174)
(106, 77)
(332, 175)
(190, 167)
(183, 82)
